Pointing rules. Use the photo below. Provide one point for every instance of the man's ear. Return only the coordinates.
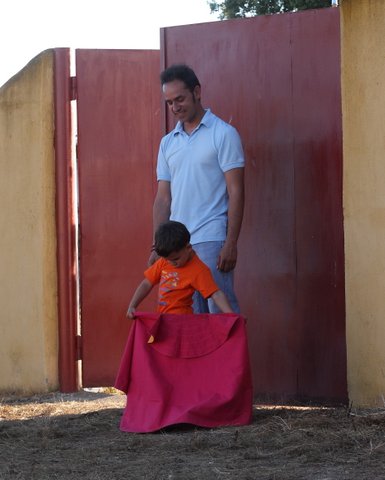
(197, 92)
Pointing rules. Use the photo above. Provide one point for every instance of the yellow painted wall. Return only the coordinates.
(363, 93)
(28, 293)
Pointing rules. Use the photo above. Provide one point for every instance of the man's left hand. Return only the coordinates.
(227, 257)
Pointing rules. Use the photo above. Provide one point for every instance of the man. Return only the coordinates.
(200, 175)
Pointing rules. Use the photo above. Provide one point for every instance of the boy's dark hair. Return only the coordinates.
(171, 237)
(180, 72)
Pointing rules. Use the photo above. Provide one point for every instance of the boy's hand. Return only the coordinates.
(131, 313)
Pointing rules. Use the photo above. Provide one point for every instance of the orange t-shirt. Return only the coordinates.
(177, 285)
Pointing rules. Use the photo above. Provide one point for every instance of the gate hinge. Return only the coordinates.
(73, 88)
(79, 347)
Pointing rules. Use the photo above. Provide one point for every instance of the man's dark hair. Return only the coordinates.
(171, 237)
(180, 72)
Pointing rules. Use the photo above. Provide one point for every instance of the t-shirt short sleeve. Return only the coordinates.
(154, 272)
(205, 283)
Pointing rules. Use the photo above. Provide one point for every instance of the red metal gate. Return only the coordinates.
(118, 101)
(277, 79)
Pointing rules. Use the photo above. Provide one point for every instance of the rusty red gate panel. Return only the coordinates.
(317, 123)
(118, 99)
(276, 78)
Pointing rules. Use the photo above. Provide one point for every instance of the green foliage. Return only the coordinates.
(250, 8)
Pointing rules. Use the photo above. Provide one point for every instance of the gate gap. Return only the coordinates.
(75, 210)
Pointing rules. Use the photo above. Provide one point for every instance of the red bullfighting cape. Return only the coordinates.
(185, 369)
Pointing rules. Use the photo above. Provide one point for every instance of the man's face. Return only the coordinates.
(182, 102)
(180, 258)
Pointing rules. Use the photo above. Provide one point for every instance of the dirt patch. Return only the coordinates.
(76, 436)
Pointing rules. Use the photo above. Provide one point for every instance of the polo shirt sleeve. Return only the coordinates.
(162, 168)
(230, 151)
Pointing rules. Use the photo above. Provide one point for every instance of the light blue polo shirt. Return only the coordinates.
(195, 166)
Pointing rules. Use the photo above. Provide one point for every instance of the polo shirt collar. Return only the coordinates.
(206, 120)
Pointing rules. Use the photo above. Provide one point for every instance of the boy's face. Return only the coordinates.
(181, 257)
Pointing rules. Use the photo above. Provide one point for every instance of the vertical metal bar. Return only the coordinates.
(68, 376)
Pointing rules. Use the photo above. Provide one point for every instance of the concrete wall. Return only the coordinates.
(363, 91)
(28, 294)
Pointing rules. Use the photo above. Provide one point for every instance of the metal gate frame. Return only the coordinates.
(65, 224)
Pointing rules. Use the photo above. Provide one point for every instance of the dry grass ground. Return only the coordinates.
(76, 436)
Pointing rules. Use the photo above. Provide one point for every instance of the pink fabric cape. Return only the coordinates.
(195, 371)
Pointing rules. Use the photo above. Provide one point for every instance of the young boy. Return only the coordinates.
(179, 273)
